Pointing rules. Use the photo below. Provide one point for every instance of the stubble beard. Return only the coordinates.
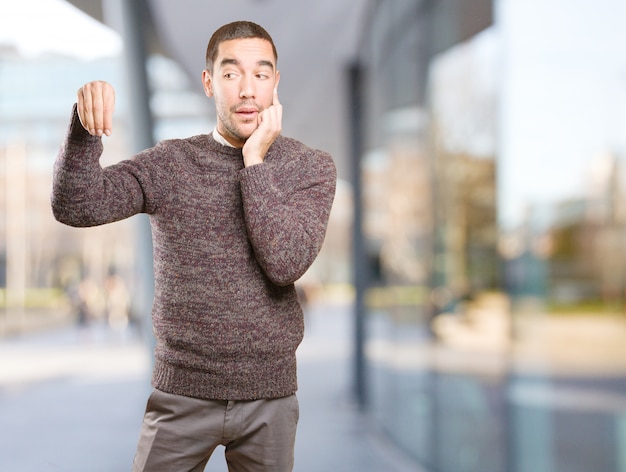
(230, 126)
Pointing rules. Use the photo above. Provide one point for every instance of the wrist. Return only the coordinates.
(252, 160)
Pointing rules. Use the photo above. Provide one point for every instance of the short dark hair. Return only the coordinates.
(235, 30)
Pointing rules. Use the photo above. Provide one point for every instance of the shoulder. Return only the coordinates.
(293, 151)
(292, 146)
(173, 149)
(184, 144)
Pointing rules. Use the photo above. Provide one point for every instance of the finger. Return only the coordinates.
(98, 110)
(278, 110)
(270, 119)
(275, 99)
(84, 108)
(108, 106)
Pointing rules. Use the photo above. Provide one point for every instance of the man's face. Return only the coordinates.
(242, 83)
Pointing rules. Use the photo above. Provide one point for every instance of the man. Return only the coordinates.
(237, 217)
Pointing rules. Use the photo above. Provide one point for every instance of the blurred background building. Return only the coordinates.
(478, 232)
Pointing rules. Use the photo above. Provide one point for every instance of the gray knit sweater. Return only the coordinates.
(229, 242)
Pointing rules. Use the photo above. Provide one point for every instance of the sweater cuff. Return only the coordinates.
(76, 131)
(255, 177)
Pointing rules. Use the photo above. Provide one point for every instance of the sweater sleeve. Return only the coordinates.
(85, 194)
(286, 209)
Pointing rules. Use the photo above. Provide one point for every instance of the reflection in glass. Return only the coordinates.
(496, 218)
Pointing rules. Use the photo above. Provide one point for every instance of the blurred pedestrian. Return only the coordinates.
(117, 303)
(84, 297)
(77, 295)
(237, 216)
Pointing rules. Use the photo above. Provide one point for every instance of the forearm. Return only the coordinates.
(287, 230)
(83, 193)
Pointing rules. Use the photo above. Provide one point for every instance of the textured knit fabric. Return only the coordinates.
(229, 242)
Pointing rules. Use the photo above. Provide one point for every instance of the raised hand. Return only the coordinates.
(270, 126)
(96, 102)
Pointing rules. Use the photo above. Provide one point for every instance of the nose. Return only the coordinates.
(247, 88)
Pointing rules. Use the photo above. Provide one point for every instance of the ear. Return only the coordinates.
(207, 83)
(277, 79)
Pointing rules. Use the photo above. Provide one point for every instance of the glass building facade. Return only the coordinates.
(494, 225)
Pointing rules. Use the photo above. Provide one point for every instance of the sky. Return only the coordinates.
(36, 27)
(563, 99)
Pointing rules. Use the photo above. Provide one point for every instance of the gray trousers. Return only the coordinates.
(179, 434)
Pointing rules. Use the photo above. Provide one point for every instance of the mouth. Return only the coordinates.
(247, 112)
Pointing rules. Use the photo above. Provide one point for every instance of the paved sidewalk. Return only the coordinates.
(72, 401)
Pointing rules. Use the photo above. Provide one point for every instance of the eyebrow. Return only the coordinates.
(235, 62)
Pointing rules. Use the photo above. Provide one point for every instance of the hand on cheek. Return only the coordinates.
(269, 128)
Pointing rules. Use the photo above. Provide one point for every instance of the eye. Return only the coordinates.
(230, 75)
